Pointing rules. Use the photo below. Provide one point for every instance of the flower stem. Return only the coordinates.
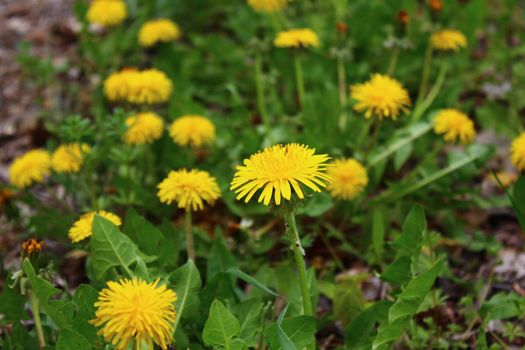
(299, 78)
(35, 305)
(341, 76)
(298, 252)
(393, 61)
(426, 72)
(261, 100)
(423, 105)
(189, 235)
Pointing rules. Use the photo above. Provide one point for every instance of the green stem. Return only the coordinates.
(299, 78)
(298, 252)
(341, 76)
(261, 101)
(427, 63)
(393, 62)
(35, 306)
(373, 140)
(422, 106)
(189, 235)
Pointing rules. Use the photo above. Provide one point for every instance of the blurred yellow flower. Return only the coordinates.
(381, 96)
(138, 87)
(349, 178)
(268, 6)
(506, 178)
(69, 158)
(190, 189)
(455, 126)
(296, 38)
(143, 128)
(159, 30)
(192, 130)
(107, 12)
(136, 310)
(280, 170)
(83, 227)
(32, 167)
(448, 40)
(517, 152)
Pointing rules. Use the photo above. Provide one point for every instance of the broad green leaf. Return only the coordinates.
(41, 287)
(84, 300)
(398, 272)
(234, 271)
(60, 312)
(110, 248)
(360, 329)
(187, 281)
(249, 315)
(413, 228)
(219, 259)
(12, 305)
(402, 155)
(503, 306)
(293, 333)
(221, 326)
(69, 339)
(348, 301)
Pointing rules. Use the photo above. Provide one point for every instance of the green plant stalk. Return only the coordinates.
(436, 88)
(35, 306)
(427, 63)
(299, 78)
(393, 61)
(261, 100)
(298, 252)
(189, 235)
(341, 76)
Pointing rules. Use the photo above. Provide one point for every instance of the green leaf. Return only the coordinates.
(221, 326)
(293, 333)
(348, 301)
(249, 314)
(398, 272)
(234, 271)
(402, 155)
(84, 300)
(317, 205)
(219, 259)
(187, 283)
(39, 286)
(70, 339)
(12, 305)
(378, 233)
(358, 331)
(110, 248)
(413, 228)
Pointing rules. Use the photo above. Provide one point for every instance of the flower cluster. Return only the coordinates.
(143, 128)
(158, 31)
(455, 126)
(296, 38)
(381, 96)
(280, 170)
(107, 12)
(138, 87)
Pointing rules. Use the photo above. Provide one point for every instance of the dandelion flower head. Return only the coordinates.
(192, 130)
(158, 31)
(135, 310)
(107, 12)
(32, 167)
(190, 189)
(296, 38)
(448, 40)
(517, 152)
(381, 96)
(69, 158)
(268, 6)
(138, 87)
(280, 170)
(349, 178)
(455, 126)
(143, 128)
(83, 227)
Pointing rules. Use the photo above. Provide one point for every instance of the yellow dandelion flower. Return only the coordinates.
(296, 38)
(107, 12)
(448, 40)
(454, 125)
(69, 158)
(192, 130)
(381, 96)
(280, 170)
(268, 6)
(506, 178)
(136, 310)
(138, 87)
(517, 152)
(190, 189)
(349, 178)
(143, 128)
(30, 168)
(83, 227)
(158, 31)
